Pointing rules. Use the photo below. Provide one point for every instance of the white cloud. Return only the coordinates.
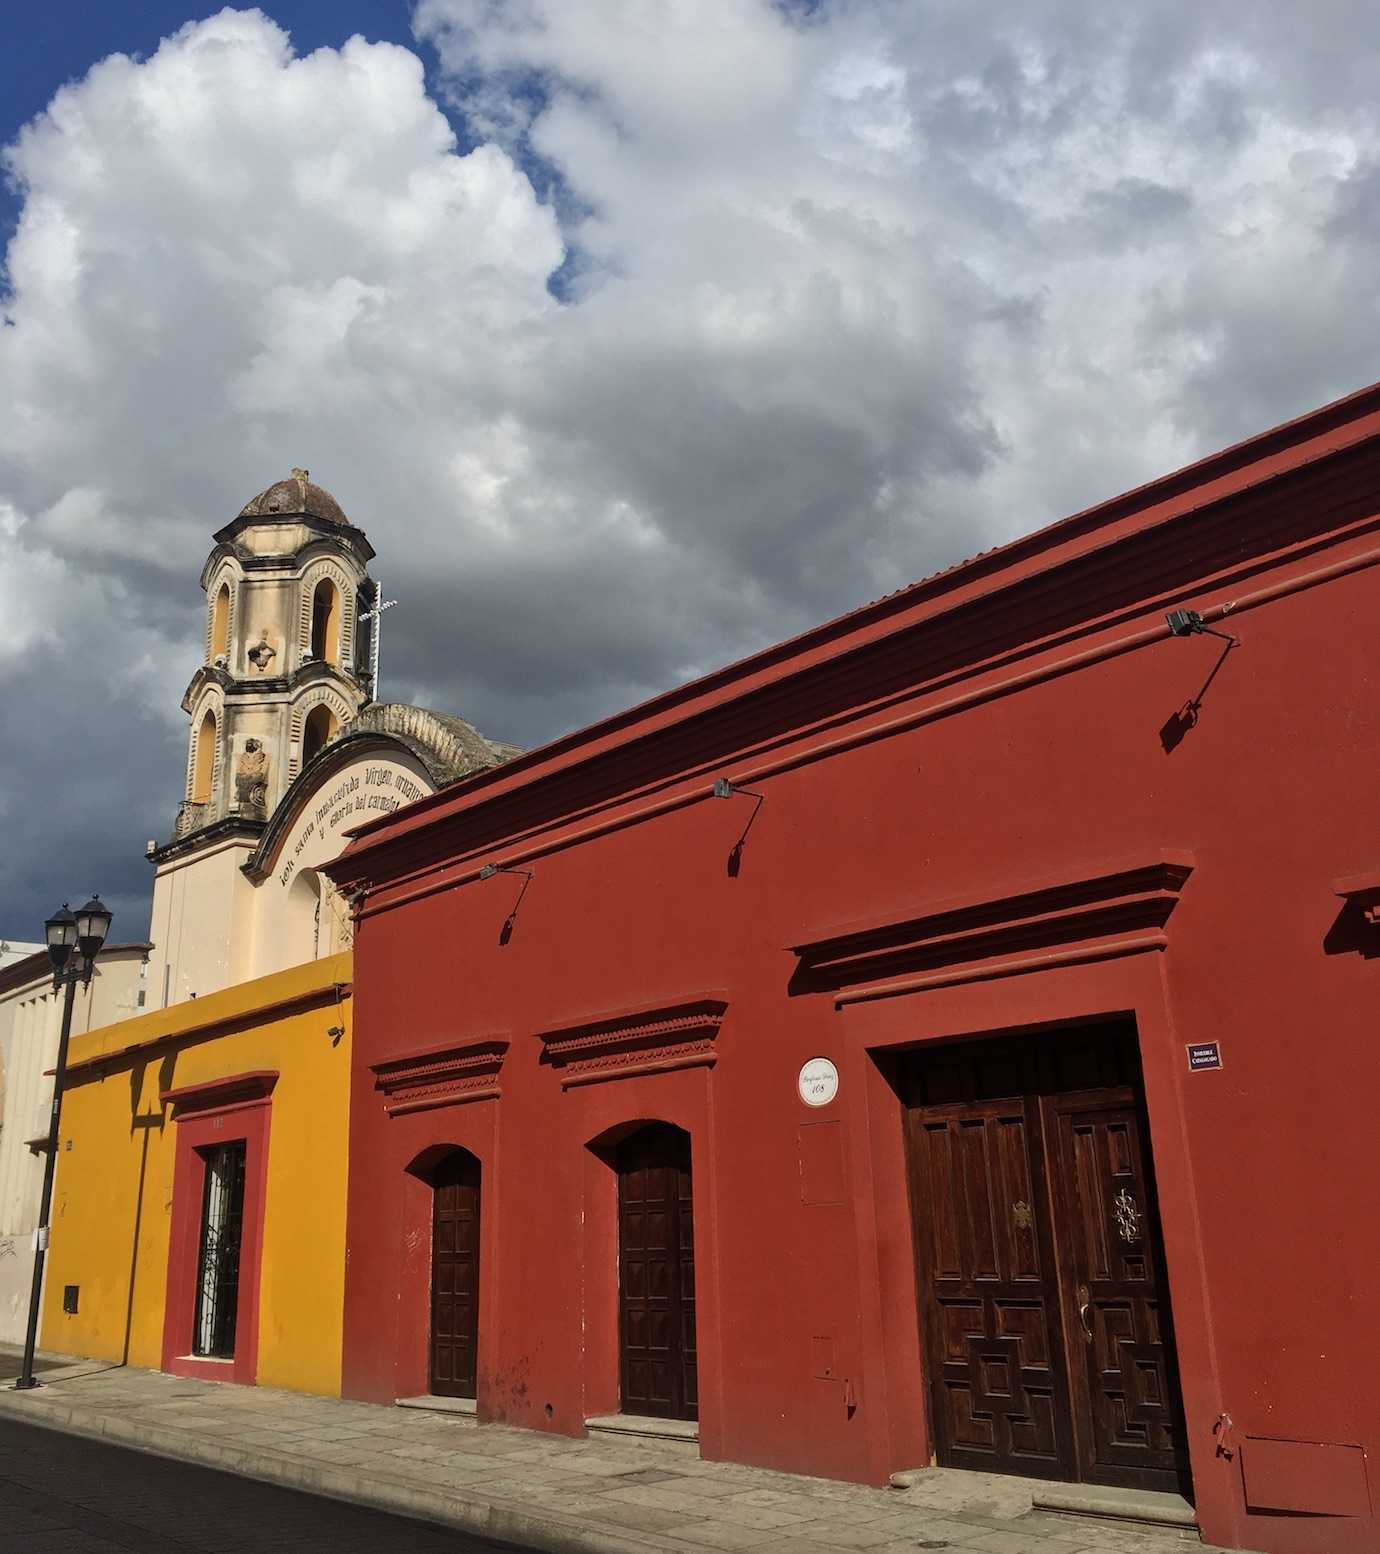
(849, 291)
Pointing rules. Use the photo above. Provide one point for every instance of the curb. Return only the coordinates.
(547, 1531)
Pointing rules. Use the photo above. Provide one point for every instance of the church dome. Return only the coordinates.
(294, 497)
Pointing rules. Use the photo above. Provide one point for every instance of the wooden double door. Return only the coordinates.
(1044, 1305)
(455, 1277)
(656, 1274)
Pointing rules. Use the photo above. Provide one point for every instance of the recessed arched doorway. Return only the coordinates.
(656, 1274)
(455, 1276)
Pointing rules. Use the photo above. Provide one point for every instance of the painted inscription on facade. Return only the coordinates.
(357, 795)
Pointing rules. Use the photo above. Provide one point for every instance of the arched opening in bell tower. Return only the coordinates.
(220, 622)
(204, 759)
(325, 622)
(319, 728)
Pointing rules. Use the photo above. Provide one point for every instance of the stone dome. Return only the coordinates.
(292, 498)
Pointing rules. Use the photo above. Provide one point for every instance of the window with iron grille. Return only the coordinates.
(218, 1261)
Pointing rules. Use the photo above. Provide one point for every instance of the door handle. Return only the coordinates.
(1084, 1301)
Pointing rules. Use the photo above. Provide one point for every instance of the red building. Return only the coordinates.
(855, 1056)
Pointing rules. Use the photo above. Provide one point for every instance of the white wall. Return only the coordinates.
(200, 911)
(30, 1026)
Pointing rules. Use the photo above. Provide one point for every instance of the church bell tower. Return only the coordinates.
(287, 658)
(287, 749)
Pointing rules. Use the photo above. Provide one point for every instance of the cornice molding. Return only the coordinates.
(230, 826)
(101, 1063)
(217, 1095)
(643, 1041)
(1264, 509)
(206, 675)
(1113, 905)
(448, 1075)
(345, 536)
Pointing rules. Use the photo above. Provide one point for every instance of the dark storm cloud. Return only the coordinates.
(734, 316)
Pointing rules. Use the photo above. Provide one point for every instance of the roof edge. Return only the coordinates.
(18, 972)
(1263, 458)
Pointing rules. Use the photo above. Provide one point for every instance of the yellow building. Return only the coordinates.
(215, 1129)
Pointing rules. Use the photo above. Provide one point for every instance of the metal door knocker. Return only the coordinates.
(1127, 1216)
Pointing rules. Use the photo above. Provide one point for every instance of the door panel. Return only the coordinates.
(455, 1277)
(996, 1360)
(656, 1247)
(1044, 1309)
(1127, 1377)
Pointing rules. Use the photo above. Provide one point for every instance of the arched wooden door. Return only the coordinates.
(656, 1260)
(455, 1277)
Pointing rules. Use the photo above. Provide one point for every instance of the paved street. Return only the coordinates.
(538, 1490)
(60, 1494)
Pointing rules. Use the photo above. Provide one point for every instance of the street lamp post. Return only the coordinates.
(83, 931)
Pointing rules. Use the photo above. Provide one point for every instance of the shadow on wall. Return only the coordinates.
(1353, 932)
(142, 1123)
(1178, 724)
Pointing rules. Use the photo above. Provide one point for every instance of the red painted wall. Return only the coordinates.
(1011, 723)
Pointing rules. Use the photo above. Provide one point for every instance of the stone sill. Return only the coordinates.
(1146, 1507)
(464, 1408)
(644, 1430)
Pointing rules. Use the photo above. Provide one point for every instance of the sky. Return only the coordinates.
(637, 334)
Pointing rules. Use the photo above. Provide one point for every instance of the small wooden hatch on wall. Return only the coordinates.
(1304, 1478)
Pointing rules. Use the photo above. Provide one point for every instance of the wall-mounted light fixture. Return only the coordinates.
(724, 788)
(1189, 623)
(487, 872)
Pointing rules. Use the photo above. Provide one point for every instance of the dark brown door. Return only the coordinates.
(988, 1282)
(1124, 1377)
(455, 1277)
(1046, 1330)
(656, 1265)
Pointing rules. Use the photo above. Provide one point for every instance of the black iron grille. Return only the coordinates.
(218, 1263)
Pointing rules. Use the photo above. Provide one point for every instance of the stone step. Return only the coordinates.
(465, 1410)
(1146, 1507)
(640, 1430)
(1009, 1497)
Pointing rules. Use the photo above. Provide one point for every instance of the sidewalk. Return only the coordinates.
(550, 1492)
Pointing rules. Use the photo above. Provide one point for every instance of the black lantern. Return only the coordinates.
(65, 931)
(61, 933)
(93, 923)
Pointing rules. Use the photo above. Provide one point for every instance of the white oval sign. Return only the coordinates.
(819, 1082)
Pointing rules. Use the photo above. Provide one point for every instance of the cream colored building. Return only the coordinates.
(286, 752)
(30, 1025)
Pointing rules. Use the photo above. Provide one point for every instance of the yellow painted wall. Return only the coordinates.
(113, 1199)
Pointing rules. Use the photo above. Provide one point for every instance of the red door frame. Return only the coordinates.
(218, 1112)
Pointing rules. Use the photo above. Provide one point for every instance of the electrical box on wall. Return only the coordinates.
(69, 1298)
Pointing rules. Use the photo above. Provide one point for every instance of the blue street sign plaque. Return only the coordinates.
(1204, 1054)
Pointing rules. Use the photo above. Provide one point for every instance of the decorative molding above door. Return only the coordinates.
(441, 1076)
(1106, 910)
(643, 1041)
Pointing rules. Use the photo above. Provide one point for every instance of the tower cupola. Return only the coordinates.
(287, 657)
